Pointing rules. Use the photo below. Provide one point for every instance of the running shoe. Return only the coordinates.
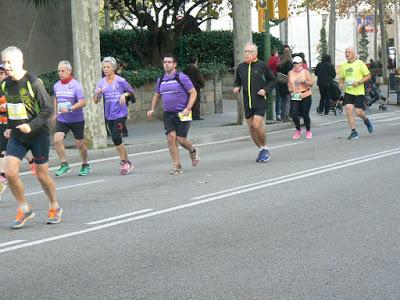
(85, 170)
(308, 134)
(263, 156)
(126, 167)
(176, 170)
(32, 165)
(297, 134)
(369, 125)
(194, 155)
(353, 135)
(21, 218)
(64, 168)
(54, 215)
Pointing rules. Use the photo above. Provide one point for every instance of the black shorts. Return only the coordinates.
(173, 123)
(257, 108)
(116, 127)
(358, 101)
(3, 140)
(77, 128)
(39, 146)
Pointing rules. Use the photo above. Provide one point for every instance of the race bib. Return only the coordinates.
(17, 111)
(185, 118)
(64, 105)
(296, 97)
(349, 83)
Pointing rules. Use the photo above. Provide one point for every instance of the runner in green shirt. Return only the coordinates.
(353, 74)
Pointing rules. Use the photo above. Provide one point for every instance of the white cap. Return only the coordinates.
(297, 60)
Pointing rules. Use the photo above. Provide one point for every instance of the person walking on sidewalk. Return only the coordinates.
(114, 89)
(29, 108)
(283, 69)
(68, 115)
(255, 79)
(197, 78)
(273, 64)
(325, 71)
(353, 75)
(178, 95)
(300, 83)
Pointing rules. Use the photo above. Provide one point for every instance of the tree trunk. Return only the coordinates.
(332, 31)
(241, 35)
(86, 41)
(383, 41)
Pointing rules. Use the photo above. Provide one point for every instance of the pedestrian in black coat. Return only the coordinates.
(325, 71)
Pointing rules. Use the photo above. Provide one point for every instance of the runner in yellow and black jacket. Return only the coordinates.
(255, 79)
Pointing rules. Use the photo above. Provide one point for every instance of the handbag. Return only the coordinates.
(281, 78)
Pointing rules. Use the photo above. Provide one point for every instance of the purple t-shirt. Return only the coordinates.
(175, 96)
(67, 95)
(111, 94)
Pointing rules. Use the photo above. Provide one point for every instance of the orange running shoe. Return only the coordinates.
(21, 218)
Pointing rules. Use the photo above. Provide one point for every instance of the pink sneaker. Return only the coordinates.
(126, 167)
(308, 134)
(297, 134)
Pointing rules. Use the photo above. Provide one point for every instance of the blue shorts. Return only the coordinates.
(39, 146)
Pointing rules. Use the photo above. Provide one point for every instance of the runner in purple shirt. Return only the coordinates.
(68, 115)
(178, 96)
(114, 89)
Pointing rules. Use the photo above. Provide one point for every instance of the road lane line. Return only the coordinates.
(11, 243)
(199, 202)
(166, 149)
(290, 175)
(394, 124)
(119, 217)
(67, 187)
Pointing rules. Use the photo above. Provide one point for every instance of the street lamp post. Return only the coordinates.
(308, 34)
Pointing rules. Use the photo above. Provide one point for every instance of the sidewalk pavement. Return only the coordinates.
(149, 135)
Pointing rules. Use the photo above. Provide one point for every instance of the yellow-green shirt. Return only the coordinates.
(352, 72)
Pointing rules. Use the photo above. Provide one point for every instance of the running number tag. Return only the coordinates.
(17, 111)
(64, 105)
(296, 97)
(184, 118)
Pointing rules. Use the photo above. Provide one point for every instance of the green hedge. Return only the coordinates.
(140, 77)
(210, 47)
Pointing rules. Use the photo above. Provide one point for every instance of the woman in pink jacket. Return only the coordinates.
(299, 84)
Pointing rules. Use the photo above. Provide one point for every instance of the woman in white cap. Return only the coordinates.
(299, 84)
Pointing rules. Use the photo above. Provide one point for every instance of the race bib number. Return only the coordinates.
(185, 118)
(17, 111)
(296, 97)
(64, 105)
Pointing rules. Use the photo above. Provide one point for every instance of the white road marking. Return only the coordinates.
(119, 217)
(67, 187)
(323, 169)
(11, 243)
(386, 120)
(345, 162)
(394, 124)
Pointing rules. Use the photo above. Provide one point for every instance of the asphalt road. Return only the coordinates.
(319, 220)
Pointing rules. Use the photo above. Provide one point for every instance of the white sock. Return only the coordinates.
(24, 207)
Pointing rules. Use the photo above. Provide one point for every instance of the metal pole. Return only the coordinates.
(267, 55)
(396, 36)
(308, 35)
